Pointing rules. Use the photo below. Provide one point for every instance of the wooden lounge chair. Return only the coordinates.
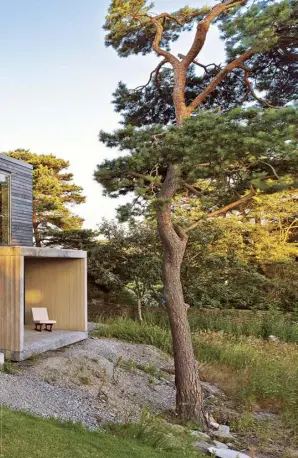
(40, 318)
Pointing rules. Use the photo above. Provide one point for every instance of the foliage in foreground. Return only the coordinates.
(155, 432)
(37, 438)
(254, 372)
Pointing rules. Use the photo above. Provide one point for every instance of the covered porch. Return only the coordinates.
(40, 342)
(41, 277)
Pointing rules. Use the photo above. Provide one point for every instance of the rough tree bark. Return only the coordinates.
(189, 403)
(35, 231)
(189, 399)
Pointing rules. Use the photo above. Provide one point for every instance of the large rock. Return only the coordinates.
(223, 433)
(226, 453)
(202, 446)
(200, 435)
(220, 444)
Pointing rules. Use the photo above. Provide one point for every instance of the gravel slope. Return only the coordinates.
(94, 382)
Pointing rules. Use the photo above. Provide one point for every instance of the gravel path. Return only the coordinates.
(92, 382)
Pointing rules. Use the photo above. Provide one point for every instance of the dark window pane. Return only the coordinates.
(4, 209)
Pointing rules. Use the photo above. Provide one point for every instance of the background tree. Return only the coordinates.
(54, 193)
(131, 29)
(119, 258)
(130, 257)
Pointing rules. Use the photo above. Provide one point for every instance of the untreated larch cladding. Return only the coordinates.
(21, 200)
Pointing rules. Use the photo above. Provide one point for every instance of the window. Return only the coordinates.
(4, 208)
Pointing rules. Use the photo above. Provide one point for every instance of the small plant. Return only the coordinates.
(128, 365)
(85, 380)
(151, 370)
(243, 423)
(34, 357)
(9, 368)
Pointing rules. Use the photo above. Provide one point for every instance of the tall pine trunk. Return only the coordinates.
(189, 399)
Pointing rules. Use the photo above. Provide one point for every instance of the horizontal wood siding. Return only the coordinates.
(21, 200)
(11, 303)
(59, 285)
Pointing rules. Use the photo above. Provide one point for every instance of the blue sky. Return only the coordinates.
(57, 79)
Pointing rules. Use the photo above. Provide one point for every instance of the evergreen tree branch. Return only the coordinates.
(149, 179)
(205, 67)
(218, 79)
(192, 189)
(156, 72)
(251, 90)
(203, 27)
(272, 168)
(156, 43)
(224, 209)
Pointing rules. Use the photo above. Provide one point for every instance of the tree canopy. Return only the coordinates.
(222, 157)
(269, 76)
(54, 193)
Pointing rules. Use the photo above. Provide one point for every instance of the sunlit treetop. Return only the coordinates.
(260, 38)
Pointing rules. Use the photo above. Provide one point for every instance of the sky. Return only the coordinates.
(57, 79)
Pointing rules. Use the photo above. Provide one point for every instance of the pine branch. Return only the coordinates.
(224, 210)
(203, 27)
(156, 43)
(192, 189)
(156, 71)
(250, 88)
(205, 67)
(218, 79)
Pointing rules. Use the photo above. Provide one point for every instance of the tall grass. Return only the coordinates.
(238, 323)
(155, 432)
(254, 372)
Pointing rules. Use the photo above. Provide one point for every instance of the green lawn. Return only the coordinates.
(31, 437)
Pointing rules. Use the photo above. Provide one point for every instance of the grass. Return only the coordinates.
(8, 368)
(254, 372)
(157, 433)
(37, 437)
(237, 322)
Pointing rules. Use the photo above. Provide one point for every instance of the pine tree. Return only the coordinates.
(161, 161)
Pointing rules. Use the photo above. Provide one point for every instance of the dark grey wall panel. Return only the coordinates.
(21, 200)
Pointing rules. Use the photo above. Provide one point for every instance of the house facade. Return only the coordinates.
(16, 202)
(35, 277)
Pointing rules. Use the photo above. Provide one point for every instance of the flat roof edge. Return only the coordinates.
(35, 252)
(15, 161)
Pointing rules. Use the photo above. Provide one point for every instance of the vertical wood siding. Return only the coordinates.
(21, 200)
(59, 285)
(11, 303)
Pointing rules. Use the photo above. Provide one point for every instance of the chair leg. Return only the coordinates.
(50, 326)
(38, 325)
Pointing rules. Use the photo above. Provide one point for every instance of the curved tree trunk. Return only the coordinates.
(35, 231)
(189, 399)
